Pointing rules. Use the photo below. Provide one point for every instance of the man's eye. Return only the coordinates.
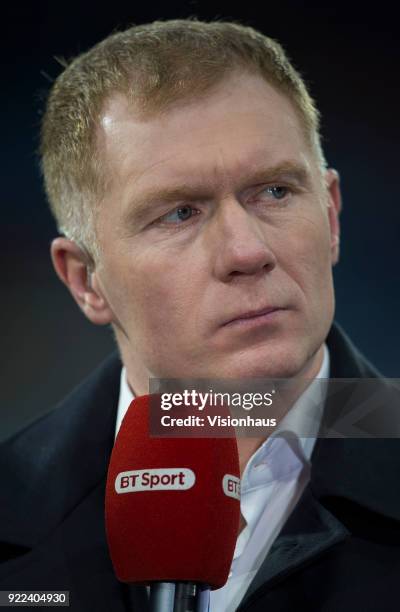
(279, 192)
(179, 215)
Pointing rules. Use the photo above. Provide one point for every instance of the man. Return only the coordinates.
(183, 164)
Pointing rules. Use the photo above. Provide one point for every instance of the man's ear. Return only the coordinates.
(332, 181)
(72, 266)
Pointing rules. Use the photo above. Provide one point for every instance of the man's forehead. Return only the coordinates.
(227, 132)
(240, 92)
(118, 103)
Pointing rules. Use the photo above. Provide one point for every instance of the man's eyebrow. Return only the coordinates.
(286, 170)
(140, 204)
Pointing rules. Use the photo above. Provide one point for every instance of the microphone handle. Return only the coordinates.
(179, 597)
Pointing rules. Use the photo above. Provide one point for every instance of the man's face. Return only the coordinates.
(216, 237)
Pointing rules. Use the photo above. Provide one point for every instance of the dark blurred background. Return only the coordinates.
(349, 55)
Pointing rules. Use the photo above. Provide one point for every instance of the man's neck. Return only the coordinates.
(298, 384)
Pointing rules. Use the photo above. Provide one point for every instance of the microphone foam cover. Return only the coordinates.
(172, 504)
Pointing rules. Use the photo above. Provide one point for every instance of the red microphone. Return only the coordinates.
(172, 511)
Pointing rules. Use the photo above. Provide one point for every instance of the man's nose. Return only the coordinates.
(241, 244)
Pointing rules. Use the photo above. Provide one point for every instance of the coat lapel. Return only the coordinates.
(336, 464)
(310, 530)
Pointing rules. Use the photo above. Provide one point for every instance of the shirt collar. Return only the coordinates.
(304, 418)
(295, 435)
(125, 399)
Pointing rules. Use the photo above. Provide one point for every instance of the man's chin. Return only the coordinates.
(292, 360)
(259, 372)
(266, 367)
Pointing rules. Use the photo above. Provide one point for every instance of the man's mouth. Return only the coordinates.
(261, 315)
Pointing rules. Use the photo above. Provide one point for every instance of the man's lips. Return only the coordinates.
(252, 314)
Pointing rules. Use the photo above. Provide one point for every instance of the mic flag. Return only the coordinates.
(172, 504)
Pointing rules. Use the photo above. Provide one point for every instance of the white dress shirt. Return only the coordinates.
(272, 483)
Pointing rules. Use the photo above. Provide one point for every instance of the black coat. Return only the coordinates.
(338, 552)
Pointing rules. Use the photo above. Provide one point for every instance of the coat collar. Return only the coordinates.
(361, 470)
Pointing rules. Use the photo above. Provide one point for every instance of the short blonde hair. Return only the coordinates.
(155, 65)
